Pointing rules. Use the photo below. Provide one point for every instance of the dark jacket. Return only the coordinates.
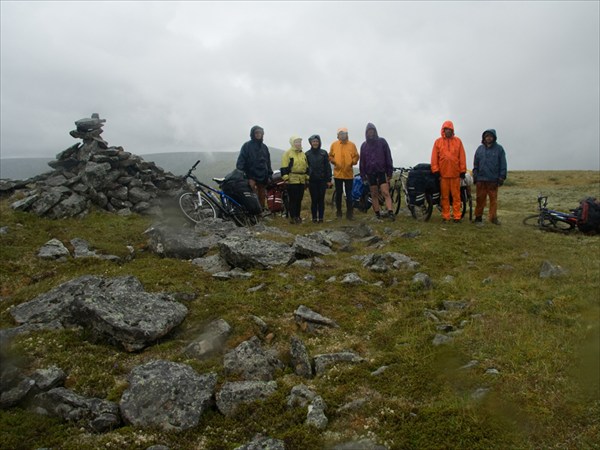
(375, 156)
(319, 167)
(490, 162)
(254, 159)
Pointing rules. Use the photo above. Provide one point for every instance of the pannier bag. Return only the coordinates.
(275, 199)
(420, 182)
(359, 189)
(588, 215)
(235, 185)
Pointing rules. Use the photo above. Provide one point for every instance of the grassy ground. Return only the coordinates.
(541, 335)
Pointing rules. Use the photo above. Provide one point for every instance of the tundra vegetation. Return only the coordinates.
(521, 369)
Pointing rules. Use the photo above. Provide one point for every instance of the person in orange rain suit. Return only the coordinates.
(448, 163)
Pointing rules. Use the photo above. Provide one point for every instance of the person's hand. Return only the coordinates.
(329, 185)
(436, 175)
(463, 175)
(500, 181)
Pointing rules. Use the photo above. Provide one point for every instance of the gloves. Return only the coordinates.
(462, 175)
(436, 175)
(500, 181)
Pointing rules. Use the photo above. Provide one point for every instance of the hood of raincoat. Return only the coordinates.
(371, 126)
(313, 137)
(447, 124)
(252, 130)
(490, 131)
(292, 139)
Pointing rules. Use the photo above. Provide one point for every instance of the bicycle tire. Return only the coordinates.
(463, 201)
(422, 212)
(397, 201)
(553, 224)
(532, 221)
(193, 210)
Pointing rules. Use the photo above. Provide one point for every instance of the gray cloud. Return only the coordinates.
(195, 76)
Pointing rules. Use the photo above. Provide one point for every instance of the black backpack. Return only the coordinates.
(420, 182)
(588, 215)
(235, 185)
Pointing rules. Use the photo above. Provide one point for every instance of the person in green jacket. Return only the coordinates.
(294, 170)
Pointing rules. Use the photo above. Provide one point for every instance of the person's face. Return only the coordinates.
(259, 134)
(370, 133)
(343, 136)
(448, 132)
(314, 143)
(298, 144)
(488, 139)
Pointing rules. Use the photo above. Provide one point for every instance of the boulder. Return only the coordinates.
(94, 413)
(167, 395)
(251, 361)
(249, 253)
(233, 394)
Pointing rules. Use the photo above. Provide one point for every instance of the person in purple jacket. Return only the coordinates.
(376, 167)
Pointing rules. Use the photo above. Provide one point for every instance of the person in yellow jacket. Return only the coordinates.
(343, 154)
(449, 164)
(294, 170)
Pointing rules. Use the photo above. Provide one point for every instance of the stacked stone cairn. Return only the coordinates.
(93, 173)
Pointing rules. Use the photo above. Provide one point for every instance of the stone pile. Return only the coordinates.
(94, 173)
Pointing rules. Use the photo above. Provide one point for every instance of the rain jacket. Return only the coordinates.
(375, 155)
(298, 167)
(343, 156)
(319, 168)
(254, 159)
(490, 162)
(448, 155)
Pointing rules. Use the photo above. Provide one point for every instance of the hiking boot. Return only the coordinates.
(320, 221)
(495, 221)
(349, 215)
(478, 219)
(391, 216)
(457, 220)
(378, 215)
(338, 214)
(314, 220)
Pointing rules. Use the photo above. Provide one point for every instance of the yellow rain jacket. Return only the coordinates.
(343, 156)
(299, 168)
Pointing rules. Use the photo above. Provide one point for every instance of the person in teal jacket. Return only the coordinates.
(489, 173)
(294, 170)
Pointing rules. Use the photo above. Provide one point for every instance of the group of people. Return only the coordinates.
(312, 169)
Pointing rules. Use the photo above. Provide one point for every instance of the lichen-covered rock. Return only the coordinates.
(167, 395)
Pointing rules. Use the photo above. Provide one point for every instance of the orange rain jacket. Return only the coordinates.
(343, 156)
(448, 155)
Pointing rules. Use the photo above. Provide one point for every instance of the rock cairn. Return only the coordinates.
(93, 173)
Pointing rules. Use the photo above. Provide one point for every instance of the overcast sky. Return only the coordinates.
(196, 76)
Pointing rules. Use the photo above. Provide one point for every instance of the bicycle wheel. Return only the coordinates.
(397, 202)
(553, 224)
(532, 221)
(463, 201)
(193, 210)
(422, 212)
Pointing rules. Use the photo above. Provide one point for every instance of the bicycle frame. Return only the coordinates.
(550, 219)
(218, 203)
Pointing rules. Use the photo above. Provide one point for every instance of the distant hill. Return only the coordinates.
(213, 164)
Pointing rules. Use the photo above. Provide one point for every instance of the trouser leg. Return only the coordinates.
(349, 205)
(314, 191)
(493, 194)
(322, 191)
(480, 198)
(456, 203)
(339, 191)
(445, 197)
